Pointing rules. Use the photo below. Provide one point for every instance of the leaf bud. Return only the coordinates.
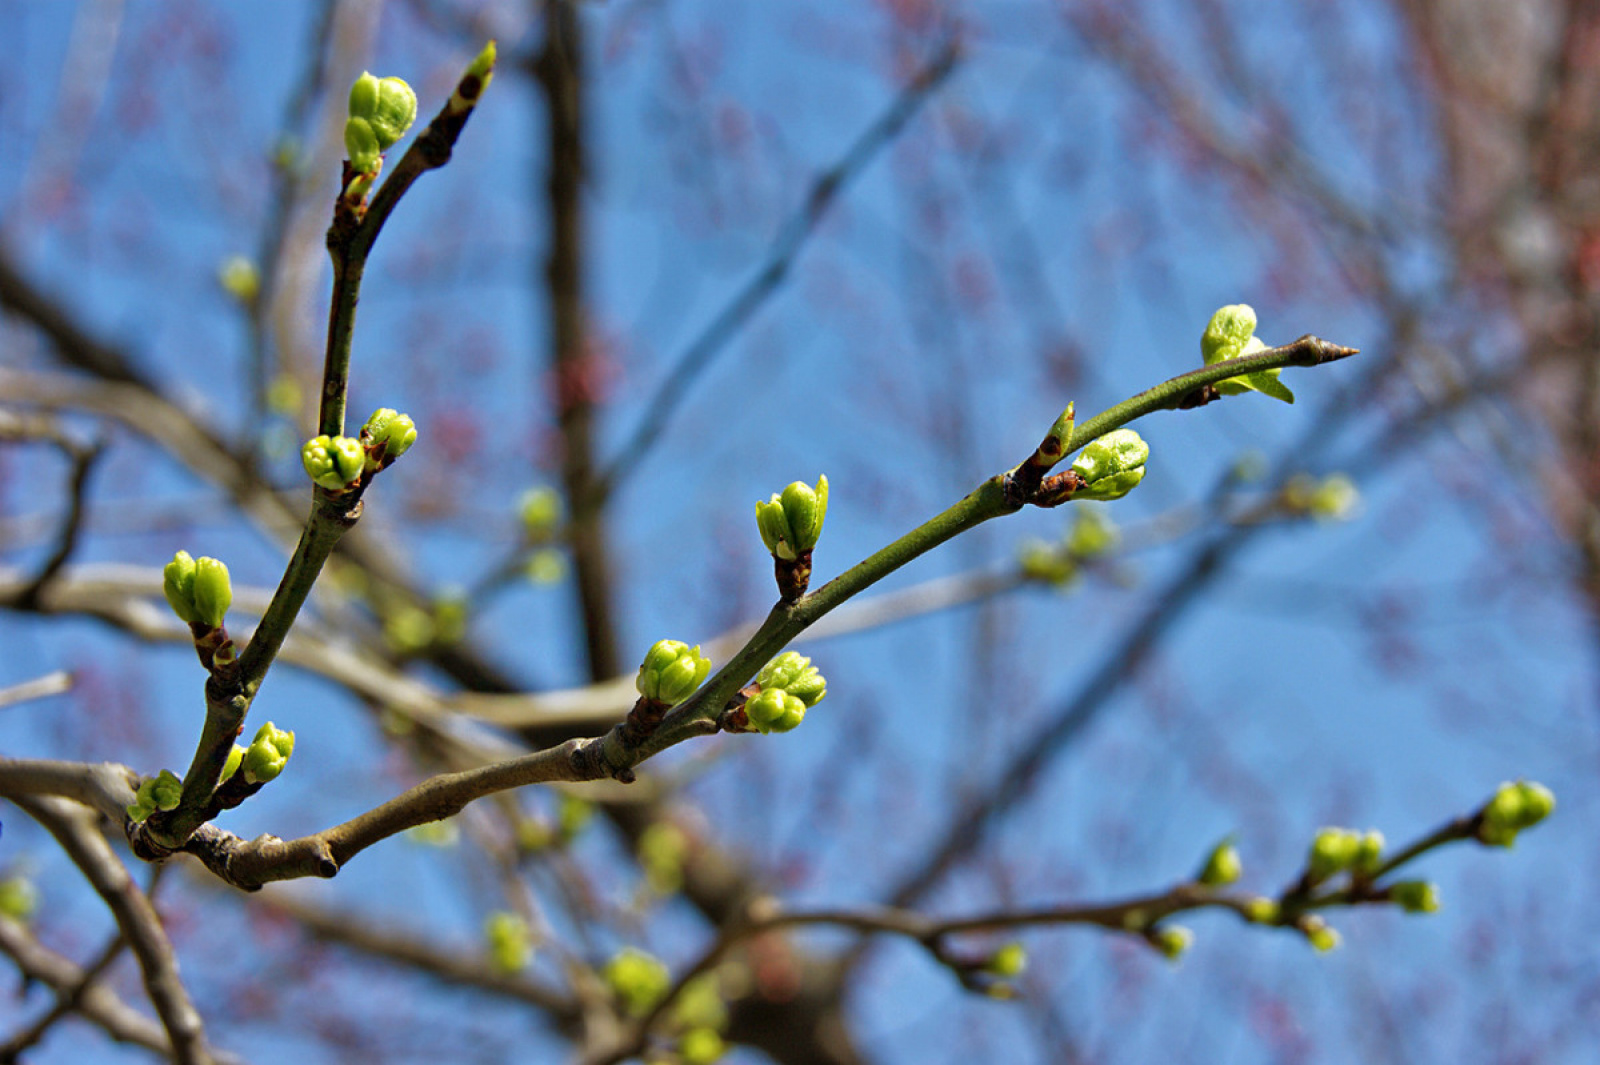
(1514, 807)
(1230, 335)
(1415, 896)
(387, 435)
(268, 753)
(177, 583)
(213, 591)
(1111, 465)
(510, 943)
(774, 710)
(333, 462)
(638, 979)
(1008, 961)
(1222, 865)
(1333, 850)
(671, 672)
(793, 672)
(1172, 940)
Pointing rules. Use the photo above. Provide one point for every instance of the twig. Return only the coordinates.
(75, 830)
(38, 688)
(69, 1000)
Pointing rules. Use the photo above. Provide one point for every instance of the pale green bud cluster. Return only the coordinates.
(791, 521)
(1415, 896)
(387, 435)
(509, 940)
(160, 792)
(1111, 465)
(1229, 335)
(1337, 850)
(671, 672)
(198, 590)
(268, 753)
(381, 110)
(700, 1006)
(1262, 910)
(637, 979)
(1091, 536)
(790, 685)
(334, 462)
(1222, 866)
(1514, 807)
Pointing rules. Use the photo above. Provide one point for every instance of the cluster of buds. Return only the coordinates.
(637, 979)
(198, 590)
(790, 685)
(509, 940)
(264, 759)
(1092, 535)
(671, 672)
(1338, 850)
(381, 110)
(1514, 807)
(1230, 334)
(790, 524)
(339, 463)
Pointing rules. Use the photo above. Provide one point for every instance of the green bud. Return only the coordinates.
(18, 898)
(1333, 850)
(541, 512)
(1513, 808)
(699, 1004)
(1008, 961)
(1228, 336)
(1172, 940)
(381, 111)
(160, 792)
(1415, 896)
(791, 522)
(1092, 535)
(671, 672)
(1059, 438)
(774, 710)
(177, 583)
(794, 673)
(474, 80)
(1222, 865)
(1335, 498)
(268, 753)
(546, 567)
(637, 979)
(1046, 563)
(701, 1046)
(1261, 910)
(510, 943)
(388, 434)
(1317, 933)
(240, 279)
(1369, 853)
(235, 760)
(1111, 465)
(213, 591)
(662, 850)
(335, 462)
(572, 814)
